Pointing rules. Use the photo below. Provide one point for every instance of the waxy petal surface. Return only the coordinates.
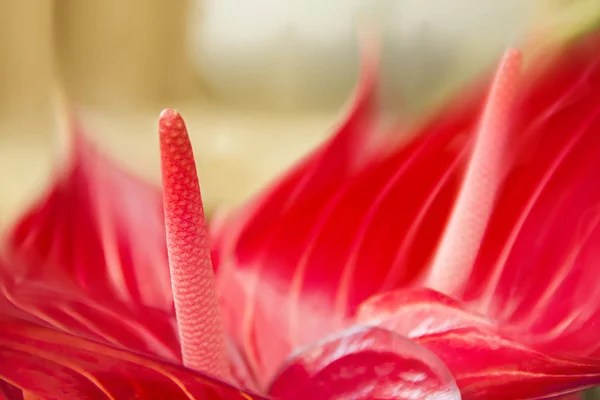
(89, 258)
(487, 359)
(57, 366)
(318, 244)
(363, 364)
(537, 266)
(312, 244)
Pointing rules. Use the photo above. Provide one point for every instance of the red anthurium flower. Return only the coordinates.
(460, 264)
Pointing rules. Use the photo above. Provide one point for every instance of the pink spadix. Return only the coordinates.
(459, 246)
(198, 317)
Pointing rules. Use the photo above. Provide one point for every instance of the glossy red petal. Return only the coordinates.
(319, 244)
(89, 258)
(313, 243)
(537, 265)
(57, 366)
(484, 358)
(573, 396)
(261, 244)
(10, 392)
(365, 364)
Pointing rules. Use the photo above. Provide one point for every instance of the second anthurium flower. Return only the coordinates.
(462, 263)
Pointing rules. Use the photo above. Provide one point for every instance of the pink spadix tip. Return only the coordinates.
(192, 278)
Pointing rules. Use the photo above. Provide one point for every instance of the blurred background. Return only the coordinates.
(260, 83)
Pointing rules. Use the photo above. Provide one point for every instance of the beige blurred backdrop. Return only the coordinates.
(260, 83)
